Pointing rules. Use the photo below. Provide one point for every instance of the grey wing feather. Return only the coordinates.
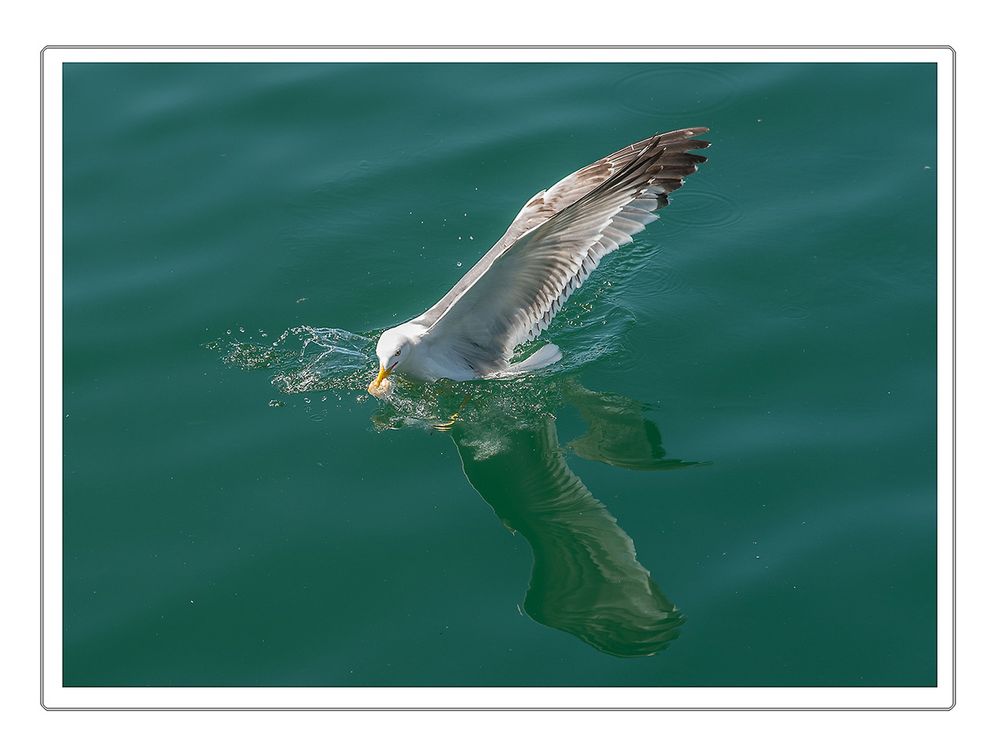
(511, 295)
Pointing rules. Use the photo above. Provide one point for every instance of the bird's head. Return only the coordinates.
(393, 347)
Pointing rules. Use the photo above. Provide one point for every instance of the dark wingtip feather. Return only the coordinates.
(683, 133)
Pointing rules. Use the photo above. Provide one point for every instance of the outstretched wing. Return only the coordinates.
(510, 296)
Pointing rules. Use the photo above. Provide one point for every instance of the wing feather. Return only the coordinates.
(511, 295)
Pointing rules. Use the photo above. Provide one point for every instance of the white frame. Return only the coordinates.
(55, 696)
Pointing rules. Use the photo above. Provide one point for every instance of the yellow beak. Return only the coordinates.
(382, 375)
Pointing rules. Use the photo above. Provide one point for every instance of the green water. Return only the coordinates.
(733, 468)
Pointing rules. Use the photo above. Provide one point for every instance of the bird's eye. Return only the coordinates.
(398, 352)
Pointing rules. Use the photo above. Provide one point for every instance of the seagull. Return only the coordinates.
(555, 242)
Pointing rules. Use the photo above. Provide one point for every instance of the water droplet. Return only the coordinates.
(274, 403)
(242, 329)
(459, 264)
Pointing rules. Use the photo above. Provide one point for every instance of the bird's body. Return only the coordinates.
(431, 358)
(510, 296)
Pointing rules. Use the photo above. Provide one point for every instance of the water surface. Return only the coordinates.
(732, 470)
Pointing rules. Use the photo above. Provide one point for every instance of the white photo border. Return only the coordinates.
(54, 696)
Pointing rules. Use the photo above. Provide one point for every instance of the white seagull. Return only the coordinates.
(511, 295)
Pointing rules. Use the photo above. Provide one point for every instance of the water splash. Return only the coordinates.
(305, 358)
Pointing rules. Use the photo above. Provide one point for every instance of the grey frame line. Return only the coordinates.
(954, 372)
(499, 46)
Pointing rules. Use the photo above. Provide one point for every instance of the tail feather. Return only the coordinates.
(547, 355)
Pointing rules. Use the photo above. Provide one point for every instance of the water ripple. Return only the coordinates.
(704, 208)
(676, 91)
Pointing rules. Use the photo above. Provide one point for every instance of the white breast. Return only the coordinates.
(430, 361)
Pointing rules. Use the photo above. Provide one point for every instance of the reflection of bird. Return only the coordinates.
(617, 432)
(510, 296)
(586, 579)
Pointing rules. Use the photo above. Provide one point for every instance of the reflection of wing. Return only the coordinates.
(510, 296)
(618, 434)
(586, 579)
